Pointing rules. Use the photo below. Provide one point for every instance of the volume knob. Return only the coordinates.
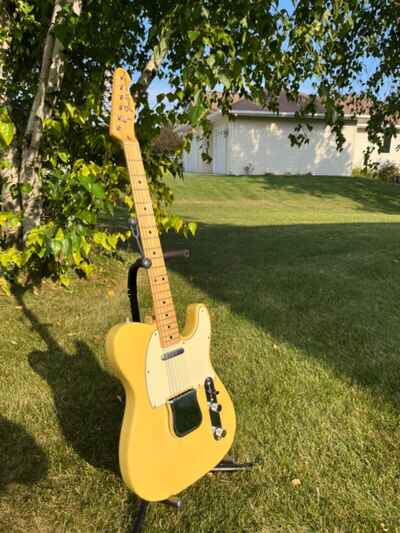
(216, 407)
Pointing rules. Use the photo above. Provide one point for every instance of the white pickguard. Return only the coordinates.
(166, 379)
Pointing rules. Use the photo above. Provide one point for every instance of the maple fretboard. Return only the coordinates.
(164, 308)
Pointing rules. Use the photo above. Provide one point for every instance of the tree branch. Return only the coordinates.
(154, 63)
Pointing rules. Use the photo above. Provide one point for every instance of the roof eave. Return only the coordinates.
(269, 114)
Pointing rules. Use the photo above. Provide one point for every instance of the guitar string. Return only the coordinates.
(171, 370)
(142, 197)
(170, 378)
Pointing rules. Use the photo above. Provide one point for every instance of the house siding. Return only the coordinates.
(361, 143)
(192, 160)
(263, 146)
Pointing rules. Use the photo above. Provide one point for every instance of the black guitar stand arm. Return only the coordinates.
(227, 464)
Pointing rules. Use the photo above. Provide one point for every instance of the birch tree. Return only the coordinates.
(49, 84)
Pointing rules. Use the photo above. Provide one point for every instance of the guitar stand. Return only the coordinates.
(227, 464)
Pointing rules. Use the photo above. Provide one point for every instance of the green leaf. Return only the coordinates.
(64, 280)
(85, 246)
(192, 227)
(71, 109)
(63, 156)
(223, 78)
(196, 112)
(66, 247)
(98, 191)
(100, 238)
(86, 216)
(59, 235)
(55, 247)
(7, 129)
(76, 256)
(193, 35)
(86, 268)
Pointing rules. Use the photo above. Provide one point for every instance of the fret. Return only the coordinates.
(160, 270)
(168, 337)
(159, 260)
(169, 329)
(162, 294)
(170, 332)
(161, 288)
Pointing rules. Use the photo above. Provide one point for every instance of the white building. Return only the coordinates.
(253, 140)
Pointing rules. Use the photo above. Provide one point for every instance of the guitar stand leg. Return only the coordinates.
(173, 502)
(139, 521)
(228, 464)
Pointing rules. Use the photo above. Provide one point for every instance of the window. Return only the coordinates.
(387, 139)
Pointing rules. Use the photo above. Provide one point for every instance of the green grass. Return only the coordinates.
(302, 279)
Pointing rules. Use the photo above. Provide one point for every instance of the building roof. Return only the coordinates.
(287, 107)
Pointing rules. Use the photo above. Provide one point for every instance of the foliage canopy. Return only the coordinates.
(60, 171)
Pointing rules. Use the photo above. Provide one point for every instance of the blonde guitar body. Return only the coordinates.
(179, 420)
(155, 462)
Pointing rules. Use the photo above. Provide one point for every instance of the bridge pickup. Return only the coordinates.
(171, 354)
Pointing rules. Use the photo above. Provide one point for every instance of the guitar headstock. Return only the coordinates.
(122, 108)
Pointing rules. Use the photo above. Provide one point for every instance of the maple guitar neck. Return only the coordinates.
(164, 308)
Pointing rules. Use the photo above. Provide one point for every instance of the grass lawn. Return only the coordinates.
(302, 279)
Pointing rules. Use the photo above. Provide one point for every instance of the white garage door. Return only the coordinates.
(219, 151)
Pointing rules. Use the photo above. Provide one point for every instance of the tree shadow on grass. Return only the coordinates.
(88, 400)
(330, 290)
(371, 196)
(22, 460)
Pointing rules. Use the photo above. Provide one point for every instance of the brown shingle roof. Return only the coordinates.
(285, 105)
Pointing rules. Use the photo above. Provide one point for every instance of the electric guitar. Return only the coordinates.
(179, 421)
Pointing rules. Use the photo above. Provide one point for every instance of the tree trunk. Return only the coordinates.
(9, 155)
(50, 80)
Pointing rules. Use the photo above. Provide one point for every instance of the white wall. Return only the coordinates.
(361, 143)
(264, 144)
(192, 160)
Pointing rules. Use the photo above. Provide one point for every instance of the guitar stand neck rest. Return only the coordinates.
(227, 464)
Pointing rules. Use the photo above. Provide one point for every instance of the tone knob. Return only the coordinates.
(219, 433)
